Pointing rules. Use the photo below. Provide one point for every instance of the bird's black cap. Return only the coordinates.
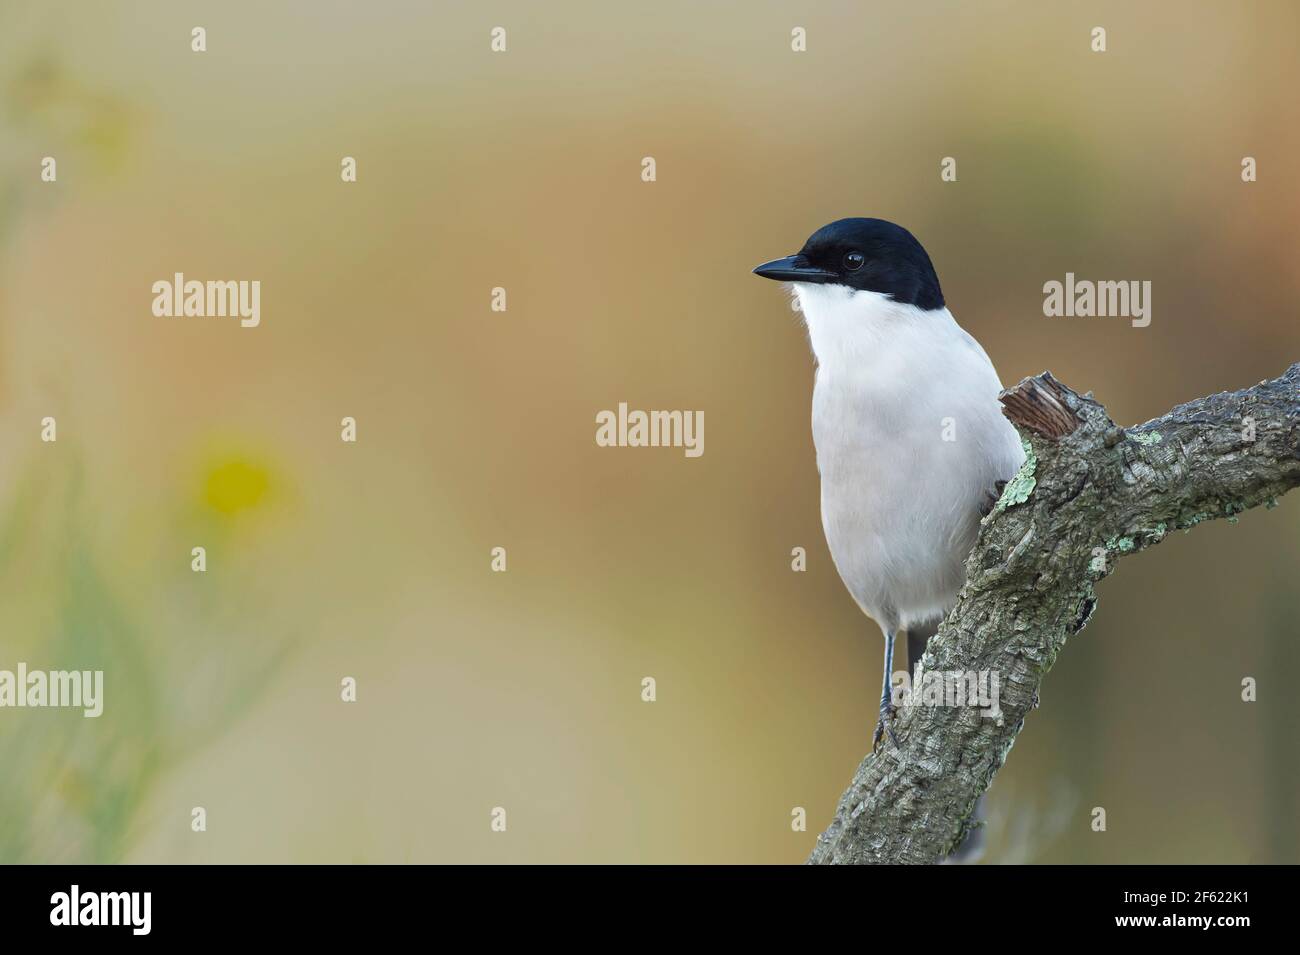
(868, 254)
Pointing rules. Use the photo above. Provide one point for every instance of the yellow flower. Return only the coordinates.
(235, 485)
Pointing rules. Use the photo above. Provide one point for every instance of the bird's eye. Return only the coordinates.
(853, 261)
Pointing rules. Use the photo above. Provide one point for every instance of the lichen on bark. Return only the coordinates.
(1086, 485)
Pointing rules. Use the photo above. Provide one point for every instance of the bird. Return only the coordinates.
(911, 445)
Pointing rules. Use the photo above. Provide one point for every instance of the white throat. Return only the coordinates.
(849, 327)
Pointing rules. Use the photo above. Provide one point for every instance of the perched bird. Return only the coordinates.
(911, 443)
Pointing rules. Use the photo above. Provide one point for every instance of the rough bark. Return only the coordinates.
(1089, 494)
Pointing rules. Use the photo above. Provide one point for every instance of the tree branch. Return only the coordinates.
(1089, 494)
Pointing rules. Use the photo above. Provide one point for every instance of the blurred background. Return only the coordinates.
(476, 428)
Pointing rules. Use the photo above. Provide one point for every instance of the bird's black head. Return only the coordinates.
(868, 254)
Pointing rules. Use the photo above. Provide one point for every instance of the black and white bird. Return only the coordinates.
(911, 443)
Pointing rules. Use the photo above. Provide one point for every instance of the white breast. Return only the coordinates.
(910, 442)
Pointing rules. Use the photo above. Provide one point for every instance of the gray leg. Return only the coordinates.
(886, 704)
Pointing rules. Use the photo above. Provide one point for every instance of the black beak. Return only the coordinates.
(794, 268)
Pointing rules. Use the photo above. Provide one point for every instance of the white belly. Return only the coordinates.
(900, 517)
(910, 442)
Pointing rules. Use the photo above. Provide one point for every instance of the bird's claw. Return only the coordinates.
(992, 497)
(886, 722)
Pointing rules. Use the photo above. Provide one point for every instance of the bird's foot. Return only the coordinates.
(886, 723)
(992, 498)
